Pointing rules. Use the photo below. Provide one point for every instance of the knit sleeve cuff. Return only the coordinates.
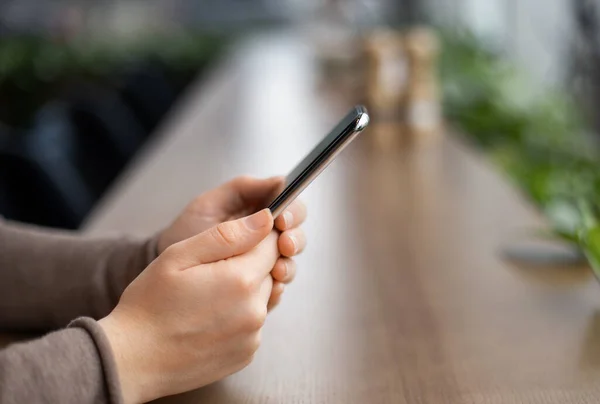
(105, 353)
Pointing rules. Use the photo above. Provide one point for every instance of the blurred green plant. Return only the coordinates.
(537, 136)
(33, 67)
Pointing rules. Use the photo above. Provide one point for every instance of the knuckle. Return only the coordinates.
(198, 202)
(247, 350)
(240, 179)
(256, 317)
(243, 282)
(246, 361)
(226, 233)
(174, 251)
(254, 343)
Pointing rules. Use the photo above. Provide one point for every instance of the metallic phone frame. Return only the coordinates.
(316, 167)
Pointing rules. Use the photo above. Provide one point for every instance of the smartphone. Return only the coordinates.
(320, 157)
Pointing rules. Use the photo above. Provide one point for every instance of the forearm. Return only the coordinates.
(74, 365)
(49, 278)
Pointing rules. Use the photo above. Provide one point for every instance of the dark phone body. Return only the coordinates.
(320, 157)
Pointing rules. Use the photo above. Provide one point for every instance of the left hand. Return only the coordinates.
(240, 197)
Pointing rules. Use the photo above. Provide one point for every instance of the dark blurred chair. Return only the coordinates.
(40, 183)
(54, 173)
(6, 207)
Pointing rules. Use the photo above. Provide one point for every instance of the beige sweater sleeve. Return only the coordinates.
(74, 365)
(48, 279)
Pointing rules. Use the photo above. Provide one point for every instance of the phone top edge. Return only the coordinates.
(363, 118)
(359, 122)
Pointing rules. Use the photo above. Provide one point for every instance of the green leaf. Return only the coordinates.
(535, 135)
(591, 249)
(564, 216)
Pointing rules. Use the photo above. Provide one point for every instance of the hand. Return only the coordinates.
(237, 198)
(194, 315)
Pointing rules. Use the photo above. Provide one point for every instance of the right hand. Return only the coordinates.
(237, 198)
(194, 315)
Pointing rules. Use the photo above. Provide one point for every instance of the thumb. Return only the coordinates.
(224, 240)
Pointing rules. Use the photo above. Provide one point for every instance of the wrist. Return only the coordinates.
(126, 350)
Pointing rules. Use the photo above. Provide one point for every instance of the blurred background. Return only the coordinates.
(83, 85)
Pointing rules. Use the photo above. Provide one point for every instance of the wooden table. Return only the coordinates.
(402, 296)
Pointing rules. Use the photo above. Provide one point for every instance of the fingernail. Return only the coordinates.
(256, 221)
(285, 269)
(288, 219)
(281, 287)
(294, 243)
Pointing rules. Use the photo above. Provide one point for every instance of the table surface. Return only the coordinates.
(402, 295)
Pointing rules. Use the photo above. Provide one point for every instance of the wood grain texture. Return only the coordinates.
(401, 296)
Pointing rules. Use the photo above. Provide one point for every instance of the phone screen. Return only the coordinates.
(319, 157)
(305, 164)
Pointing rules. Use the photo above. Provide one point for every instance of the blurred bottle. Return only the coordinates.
(386, 86)
(423, 104)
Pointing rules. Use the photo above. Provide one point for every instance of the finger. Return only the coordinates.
(260, 260)
(284, 270)
(292, 242)
(293, 216)
(266, 288)
(248, 193)
(222, 241)
(276, 293)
